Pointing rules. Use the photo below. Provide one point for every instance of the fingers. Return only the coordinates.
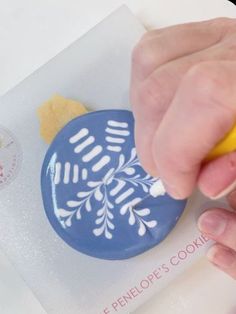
(202, 111)
(156, 92)
(221, 22)
(223, 258)
(143, 142)
(218, 178)
(184, 103)
(152, 98)
(161, 46)
(219, 225)
(166, 68)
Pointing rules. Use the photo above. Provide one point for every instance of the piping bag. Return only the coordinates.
(225, 146)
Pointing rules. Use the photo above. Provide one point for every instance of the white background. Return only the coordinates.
(34, 31)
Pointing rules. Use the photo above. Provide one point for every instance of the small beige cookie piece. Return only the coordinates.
(56, 113)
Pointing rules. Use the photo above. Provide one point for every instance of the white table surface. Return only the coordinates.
(34, 31)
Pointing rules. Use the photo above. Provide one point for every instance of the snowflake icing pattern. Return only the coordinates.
(108, 196)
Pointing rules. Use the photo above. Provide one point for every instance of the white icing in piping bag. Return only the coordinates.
(157, 189)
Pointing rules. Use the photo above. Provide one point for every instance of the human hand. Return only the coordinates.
(220, 225)
(184, 101)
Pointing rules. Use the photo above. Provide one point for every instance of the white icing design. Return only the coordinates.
(75, 174)
(78, 136)
(115, 140)
(132, 204)
(157, 189)
(105, 194)
(84, 174)
(79, 148)
(117, 124)
(101, 163)
(57, 177)
(118, 188)
(66, 173)
(66, 179)
(124, 196)
(138, 216)
(92, 154)
(118, 132)
(116, 128)
(104, 219)
(116, 149)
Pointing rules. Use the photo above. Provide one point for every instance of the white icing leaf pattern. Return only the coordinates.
(88, 205)
(63, 213)
(83, 194)
(151, 224)
(137, 216)
(73, 203)
(98, 221)
(129, 171)
(98, 231)
(144, 212)
(93, 184)
(98, 195)
(131, 219)
(68, 222)
(116, 186)
(105, 218)
(142, 228)
(78, 215)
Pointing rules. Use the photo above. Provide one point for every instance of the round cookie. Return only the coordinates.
(90, 176)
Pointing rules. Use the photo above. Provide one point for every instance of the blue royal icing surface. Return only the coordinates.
(90, 176)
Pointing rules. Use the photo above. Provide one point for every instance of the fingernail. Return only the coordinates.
(225, 192)
(174, 193)
(212, 224)
(222, 257)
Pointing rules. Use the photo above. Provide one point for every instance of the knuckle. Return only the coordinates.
(151, 98)
(226, 26)
(140, 53)
(205, 79)
(229, 47)
(143, 56)
(224, 22)
(210, 82)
